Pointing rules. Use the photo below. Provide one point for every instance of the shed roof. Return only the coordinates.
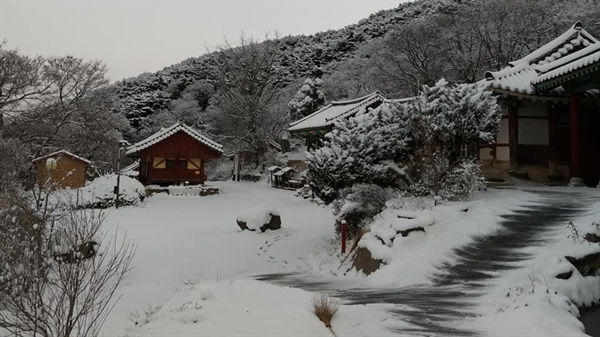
(572, 50)
(273, 168)
(62, 152)
(131, 167)
(327, 115)
(168, 132)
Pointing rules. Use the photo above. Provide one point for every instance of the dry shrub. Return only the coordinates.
(325, 308)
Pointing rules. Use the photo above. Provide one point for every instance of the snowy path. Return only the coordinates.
(446, 306)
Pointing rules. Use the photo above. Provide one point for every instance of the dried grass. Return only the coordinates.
(325, 308)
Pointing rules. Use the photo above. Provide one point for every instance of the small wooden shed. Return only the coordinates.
(174, 155)
(284, 176)
(69, 172)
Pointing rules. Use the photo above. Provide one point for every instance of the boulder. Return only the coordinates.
(591, 237)
(565, 276)
(364, 261)
(243, 225)
(260, 217)
(409, 230)
(588, 265)
(273, 224)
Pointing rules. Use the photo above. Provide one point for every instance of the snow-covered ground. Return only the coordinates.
(191, 239)
(192, 267)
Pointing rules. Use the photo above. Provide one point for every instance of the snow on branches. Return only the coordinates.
(360, 150)
(308, 99)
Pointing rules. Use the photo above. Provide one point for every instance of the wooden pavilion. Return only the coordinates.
(551, 101)
(174, 155)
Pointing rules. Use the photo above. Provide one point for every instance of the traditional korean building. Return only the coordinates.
(66, 171)
(174, 155)
(317, 124)
(551, 124)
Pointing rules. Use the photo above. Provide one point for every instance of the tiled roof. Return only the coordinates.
(168, 132)
(570, 64)
(327, 115)
(571, 50)
(61, 152)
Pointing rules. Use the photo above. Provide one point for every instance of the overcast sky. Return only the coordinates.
(135, 36)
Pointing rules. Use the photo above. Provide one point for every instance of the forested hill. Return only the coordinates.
(300, 57)
(394, 51)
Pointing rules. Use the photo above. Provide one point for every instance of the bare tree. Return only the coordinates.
(74, 113)
(247, 111)
(508, 30)
(21, 80)
(54, 281)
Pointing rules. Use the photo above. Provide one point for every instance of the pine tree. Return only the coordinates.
(362, 149)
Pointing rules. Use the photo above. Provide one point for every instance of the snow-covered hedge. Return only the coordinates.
(99, 193)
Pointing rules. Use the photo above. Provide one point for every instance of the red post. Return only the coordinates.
(344, 232)
(575, 159)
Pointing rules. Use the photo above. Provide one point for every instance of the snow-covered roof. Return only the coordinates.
(131, 167)
(571, 64)
(168, 132)
(284, 171)
(572, 50)
(275, 145)
(273, 168)
(327, 115)
(62, 152)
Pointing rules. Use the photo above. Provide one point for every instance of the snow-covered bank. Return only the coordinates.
(243, 307)
(411, 259)
(531, 300)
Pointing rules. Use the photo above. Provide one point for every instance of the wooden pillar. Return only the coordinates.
(513, 136)
(552, 142)
(575, 137)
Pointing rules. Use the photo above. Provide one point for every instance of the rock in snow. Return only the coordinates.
(260, 217)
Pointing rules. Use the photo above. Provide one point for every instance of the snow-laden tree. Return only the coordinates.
(308, 99)
(420, 146)
(362, 149)
(444, 120)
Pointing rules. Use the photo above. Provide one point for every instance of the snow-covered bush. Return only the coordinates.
(361, 150)
(359, 204)
(458, 183)
(100, 192)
